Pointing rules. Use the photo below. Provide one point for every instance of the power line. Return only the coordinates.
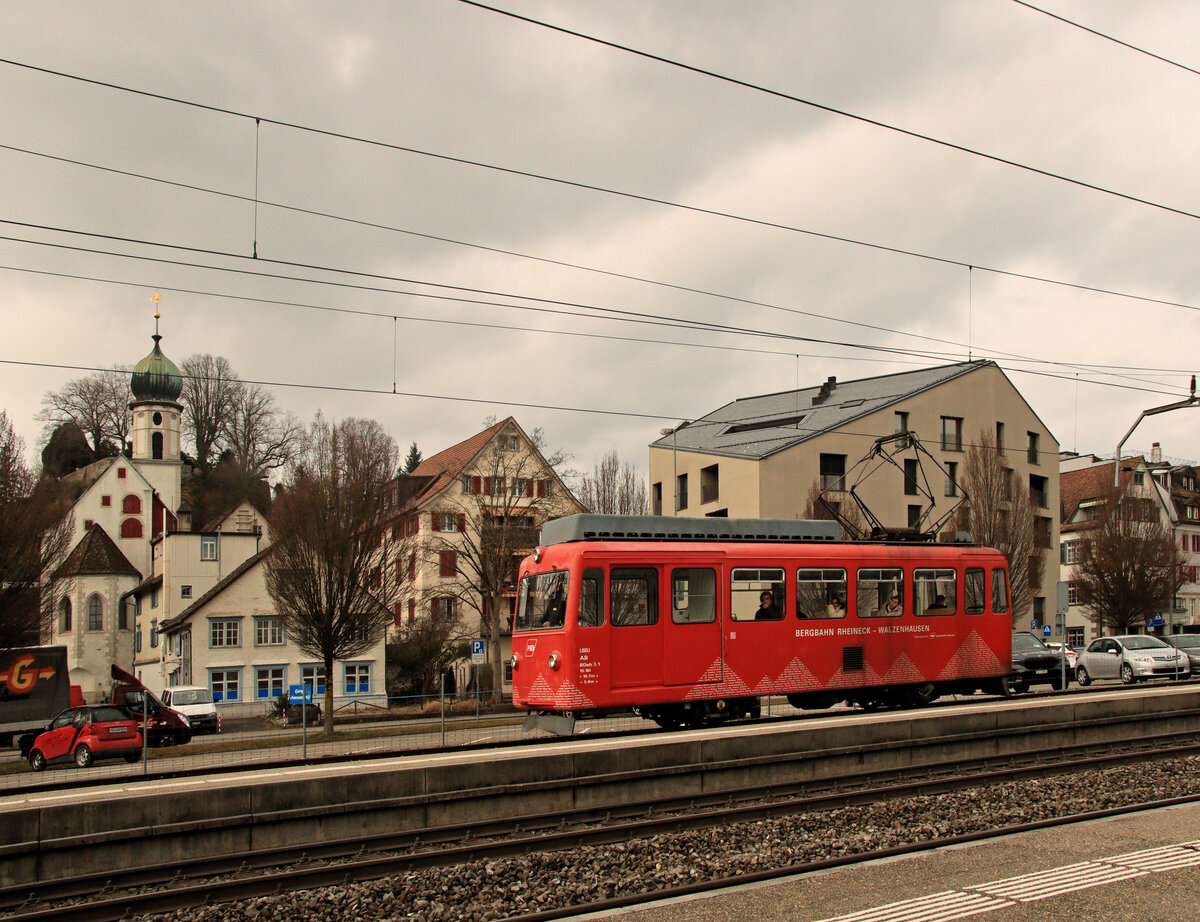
(779, 94)
(1107, 37)
(382, 392)
(359, 222)
(612, 313)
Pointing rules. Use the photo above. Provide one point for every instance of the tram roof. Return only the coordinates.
(588, 527)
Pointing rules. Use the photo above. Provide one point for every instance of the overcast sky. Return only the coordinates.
(439, 77)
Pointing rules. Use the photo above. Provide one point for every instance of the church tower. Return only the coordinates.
(157, 415)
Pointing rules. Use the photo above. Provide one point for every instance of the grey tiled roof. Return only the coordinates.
(756, 427)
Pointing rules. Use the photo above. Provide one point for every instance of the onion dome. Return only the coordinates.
(156, 377)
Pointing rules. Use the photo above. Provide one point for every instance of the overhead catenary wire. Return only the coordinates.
(852, 241)
(527, 405)
(539, 302)
(1107, 37)
(832, 110)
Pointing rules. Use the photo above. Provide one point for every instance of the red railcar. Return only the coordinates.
(688, 621)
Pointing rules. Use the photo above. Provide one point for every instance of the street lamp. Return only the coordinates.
(671, 430)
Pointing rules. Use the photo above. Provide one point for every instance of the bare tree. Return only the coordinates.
(261, 437)
(851, 520)
(1000, 513)
(35, 534)
(98, 404)
(614, 488)
(511, 490)
(209, 387)
(329, 572)
(1128, 566)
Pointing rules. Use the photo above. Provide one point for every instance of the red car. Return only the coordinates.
(85, 734)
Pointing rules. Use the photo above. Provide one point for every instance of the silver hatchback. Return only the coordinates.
(1131, 658)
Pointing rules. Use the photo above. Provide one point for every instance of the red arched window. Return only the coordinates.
(131, 528)
(132, 504)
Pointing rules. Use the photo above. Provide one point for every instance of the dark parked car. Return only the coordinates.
(1034, 663)
(1189, 644)
(84, 734)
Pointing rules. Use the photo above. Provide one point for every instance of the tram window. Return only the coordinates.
(973, 586)
(634, 594)
(757, 594)
(936, 591)
(820, 593)
(542, 601)
(880, 592)
(694, 596)
(999, 591)
(591, 598)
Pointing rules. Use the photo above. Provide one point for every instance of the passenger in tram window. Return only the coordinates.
(836, 608)
(893, 606)
(767, 609)
(938, 604)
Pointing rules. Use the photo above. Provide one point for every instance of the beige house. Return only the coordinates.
(184, 565)
(440, 515)
(759, 457)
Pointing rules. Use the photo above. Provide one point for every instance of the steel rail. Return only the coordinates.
(571, 829)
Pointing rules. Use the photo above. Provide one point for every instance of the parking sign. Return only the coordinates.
(477, 654)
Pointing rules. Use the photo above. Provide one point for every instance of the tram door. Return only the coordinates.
(636, 627)
(693, 630)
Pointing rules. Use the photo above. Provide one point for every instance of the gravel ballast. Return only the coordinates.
(499, 889)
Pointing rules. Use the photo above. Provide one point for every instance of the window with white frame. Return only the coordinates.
(447, 521)
(358, 678)
(185, 592)
(268, 632)
(224, 632)
(208, 547)
(225, 684)
(268, 682)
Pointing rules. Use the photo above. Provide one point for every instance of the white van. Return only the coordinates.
(196, 704)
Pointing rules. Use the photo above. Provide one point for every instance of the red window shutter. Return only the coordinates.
(434, 524)
(476, 485)
(412, 565)
(529, 488)
(399, 569)
(120, 473)
(541, 488)
(462, 521)
(448, 563)
(487, 486)
(399, 613)
(433, 608)
(412, 610)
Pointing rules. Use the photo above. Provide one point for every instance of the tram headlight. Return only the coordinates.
(553, 661)
(512, 662)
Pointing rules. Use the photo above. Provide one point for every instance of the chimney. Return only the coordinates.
(826, 389)
(1155, 453)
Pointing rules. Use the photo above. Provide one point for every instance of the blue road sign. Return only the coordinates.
(1046, 631)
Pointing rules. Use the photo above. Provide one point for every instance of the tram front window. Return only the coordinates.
(542, 602)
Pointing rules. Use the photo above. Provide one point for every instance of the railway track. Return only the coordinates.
(181, 885)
